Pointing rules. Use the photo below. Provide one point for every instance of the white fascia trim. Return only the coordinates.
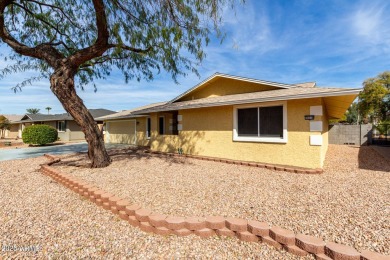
(118, 121)
(261, 139)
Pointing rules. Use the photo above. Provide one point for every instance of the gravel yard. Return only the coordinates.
(348, 204)
(39, 214)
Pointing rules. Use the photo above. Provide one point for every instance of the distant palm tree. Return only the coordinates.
(48, 109)
(32, 110)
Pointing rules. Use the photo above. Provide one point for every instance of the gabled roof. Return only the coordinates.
(43, 117)
(13, 118)
(99, 112)
(227, 76)
(255, 97)
(59, 117)
(128, 113)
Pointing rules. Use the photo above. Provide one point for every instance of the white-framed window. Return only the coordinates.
(263, 122)
(161, 125)
(61, 126)
(148, 127)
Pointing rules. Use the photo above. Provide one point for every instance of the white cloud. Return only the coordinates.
(371, 22)
(249, 28)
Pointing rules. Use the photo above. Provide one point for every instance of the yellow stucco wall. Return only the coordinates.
(141, 132)
(75, 132)
(223, 86)
(121, 132)
(208, 132)
(13, 132)
(51, 123)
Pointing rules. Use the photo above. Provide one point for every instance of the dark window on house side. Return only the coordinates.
(161, 125)
(148, 127)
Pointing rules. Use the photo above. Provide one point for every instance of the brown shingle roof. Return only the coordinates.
(129, 113)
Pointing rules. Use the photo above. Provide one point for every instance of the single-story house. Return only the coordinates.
(13, 132)
(67, 128)
(238, 118)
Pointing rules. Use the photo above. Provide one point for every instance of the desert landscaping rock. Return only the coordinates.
(115, 238)
(346, 204)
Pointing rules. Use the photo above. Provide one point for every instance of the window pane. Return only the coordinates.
(247, 122)
(271, 121)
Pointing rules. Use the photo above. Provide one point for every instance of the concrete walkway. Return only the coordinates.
(382, 150)
(31, 152)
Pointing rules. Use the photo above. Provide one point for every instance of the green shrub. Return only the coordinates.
(39, 134)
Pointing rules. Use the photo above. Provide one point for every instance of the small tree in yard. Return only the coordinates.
(375, 97)
(72, 42)
(39, 135)
(5, 124)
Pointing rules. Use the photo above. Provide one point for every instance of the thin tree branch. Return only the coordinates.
(101, 44)
(42, 20)
(58, 8)
(42, 51)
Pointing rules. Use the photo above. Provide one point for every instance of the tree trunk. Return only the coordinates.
(62, 85)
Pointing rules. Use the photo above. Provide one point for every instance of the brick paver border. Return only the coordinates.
(276, 167)
(249, 231)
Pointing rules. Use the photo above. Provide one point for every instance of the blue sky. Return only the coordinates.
(335, 43)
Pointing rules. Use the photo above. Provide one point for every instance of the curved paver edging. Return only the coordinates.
(245, 230)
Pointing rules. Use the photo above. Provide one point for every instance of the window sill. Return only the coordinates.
(260, 139)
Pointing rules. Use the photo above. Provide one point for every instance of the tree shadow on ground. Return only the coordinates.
(118, 154)
(369, 159)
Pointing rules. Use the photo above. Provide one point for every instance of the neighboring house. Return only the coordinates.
(239, 119)
(67, 128)
(13, 132)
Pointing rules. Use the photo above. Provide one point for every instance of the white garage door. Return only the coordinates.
(121, 132)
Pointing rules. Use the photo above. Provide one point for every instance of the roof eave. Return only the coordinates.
(123, 117)
(261, 100)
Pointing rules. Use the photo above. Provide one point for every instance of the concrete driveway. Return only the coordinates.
(31, 152)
